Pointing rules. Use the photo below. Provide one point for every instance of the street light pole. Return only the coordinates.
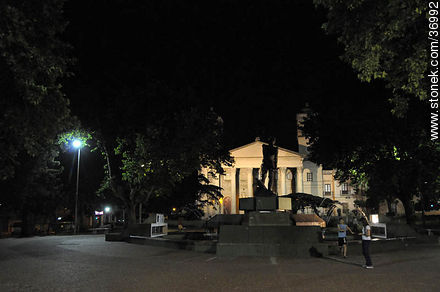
(76, 197)
(77, 144)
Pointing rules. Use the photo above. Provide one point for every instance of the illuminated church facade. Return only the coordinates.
(294, 174)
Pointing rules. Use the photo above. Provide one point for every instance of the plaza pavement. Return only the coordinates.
(89, 263)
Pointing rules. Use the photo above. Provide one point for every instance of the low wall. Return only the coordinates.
(176, 243)
(297, 241)
(187, 223)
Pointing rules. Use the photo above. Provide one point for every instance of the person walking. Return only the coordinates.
(342, 236)
(366, 239)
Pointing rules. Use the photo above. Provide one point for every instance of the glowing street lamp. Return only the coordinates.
(77, 144)
(109, 215)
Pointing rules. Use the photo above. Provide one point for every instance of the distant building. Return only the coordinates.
(295, 174)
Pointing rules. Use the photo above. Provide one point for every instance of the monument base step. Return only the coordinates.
(300, 250)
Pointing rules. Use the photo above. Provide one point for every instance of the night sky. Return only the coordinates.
(255, 62)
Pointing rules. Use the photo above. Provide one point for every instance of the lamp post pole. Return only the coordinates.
(76, 196)
(77, 144)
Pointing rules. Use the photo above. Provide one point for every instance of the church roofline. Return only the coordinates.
(264, 143)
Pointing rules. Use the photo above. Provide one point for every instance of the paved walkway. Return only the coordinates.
(88, 263)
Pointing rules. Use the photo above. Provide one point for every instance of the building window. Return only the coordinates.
(345, 188)
(309, 176)
(327, 189)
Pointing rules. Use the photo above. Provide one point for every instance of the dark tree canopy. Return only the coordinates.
(33, 109)
(387, 156)
(152, 137)
(383, 40)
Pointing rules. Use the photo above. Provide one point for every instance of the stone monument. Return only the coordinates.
(267, 227)
(265, 199)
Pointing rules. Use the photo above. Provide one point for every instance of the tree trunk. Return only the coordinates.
(27, 225)
(422, 204)
(107, 158)
(409, 209)
(131, 208)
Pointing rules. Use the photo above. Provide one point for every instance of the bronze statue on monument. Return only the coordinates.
(269, 165)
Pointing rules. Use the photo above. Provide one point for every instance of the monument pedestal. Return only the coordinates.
(262, 203)
(265, 231)
(256, 218)
(295, 241)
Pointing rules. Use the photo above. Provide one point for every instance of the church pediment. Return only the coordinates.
(254, 150)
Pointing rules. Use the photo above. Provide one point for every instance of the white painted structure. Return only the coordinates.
(295, 174)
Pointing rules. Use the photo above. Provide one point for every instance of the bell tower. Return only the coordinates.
(303, 142)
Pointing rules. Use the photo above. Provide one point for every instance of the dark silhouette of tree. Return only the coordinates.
(383, 40)
(33, 109)
(187, 198)
(32, 63)
(36, 190)
(387, 156)
(152, 137)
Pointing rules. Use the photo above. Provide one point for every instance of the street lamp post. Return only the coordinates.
(77, 144)
(108, 214)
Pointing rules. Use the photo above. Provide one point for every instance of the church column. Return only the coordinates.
(283, 181)
(299, 180)
(234, 202)
(249, 182)
(320, 181)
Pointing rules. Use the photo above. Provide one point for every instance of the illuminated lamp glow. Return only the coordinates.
(107, 209)
(174, 209)
(76, 143)
(374, 218)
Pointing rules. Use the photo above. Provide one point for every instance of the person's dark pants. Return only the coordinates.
(366, 252)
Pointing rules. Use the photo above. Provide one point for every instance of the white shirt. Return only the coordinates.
(364, 232)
